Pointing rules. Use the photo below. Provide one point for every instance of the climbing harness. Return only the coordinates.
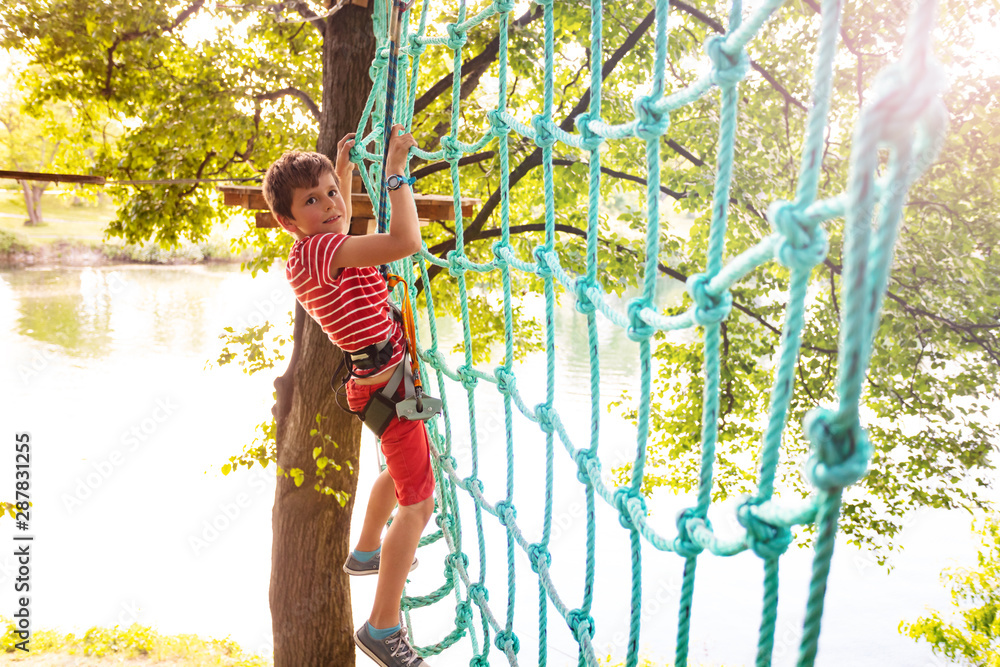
(385, 404)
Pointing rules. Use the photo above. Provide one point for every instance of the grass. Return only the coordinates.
(78, 231)
(136, 645)
(63, 220)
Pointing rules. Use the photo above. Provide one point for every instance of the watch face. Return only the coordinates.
(393, 182)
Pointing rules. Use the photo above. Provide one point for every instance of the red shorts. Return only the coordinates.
(405, 446)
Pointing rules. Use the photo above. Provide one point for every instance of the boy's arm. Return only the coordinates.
(345, 172)
(403, 238)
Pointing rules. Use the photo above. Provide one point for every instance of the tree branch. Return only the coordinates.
(535, 157)
(476, 65)
(305, 12)
(187, 13)
(294, 92)
(561, 162)
(965, 329)
(442, 249)
(441, 166)
(717, 27)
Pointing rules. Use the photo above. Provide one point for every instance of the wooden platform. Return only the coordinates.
(429, 207)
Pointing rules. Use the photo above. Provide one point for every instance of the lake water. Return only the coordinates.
(107, 369)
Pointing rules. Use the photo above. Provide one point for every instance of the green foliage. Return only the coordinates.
(255, 350)
(11, 243)
(325, 464)
(117, 645)
(8, 509)
(969, 635)
(263, 449)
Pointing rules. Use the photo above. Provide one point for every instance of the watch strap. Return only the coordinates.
(396, 181)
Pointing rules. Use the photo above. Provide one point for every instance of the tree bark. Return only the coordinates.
(310, 594)
(33, 201)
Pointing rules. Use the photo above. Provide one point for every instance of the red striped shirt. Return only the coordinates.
(353, 309)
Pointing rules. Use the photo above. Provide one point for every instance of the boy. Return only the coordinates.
(336, 279)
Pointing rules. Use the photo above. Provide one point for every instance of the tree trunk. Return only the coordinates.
(310, 594)
(33, 201)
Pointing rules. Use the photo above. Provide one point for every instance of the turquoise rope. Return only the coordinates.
(904, 112)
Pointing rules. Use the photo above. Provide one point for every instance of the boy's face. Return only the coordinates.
(317, 210)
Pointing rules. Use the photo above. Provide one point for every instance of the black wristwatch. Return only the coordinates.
(396, 181)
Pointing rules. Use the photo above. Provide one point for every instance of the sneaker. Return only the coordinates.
(393, 651)
(358, 569)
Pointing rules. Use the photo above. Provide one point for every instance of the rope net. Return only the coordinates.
(903, 116)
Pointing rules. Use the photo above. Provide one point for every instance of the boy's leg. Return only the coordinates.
(381, 502)
(398, 549)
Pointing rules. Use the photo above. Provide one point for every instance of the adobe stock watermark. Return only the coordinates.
(129, 442)
(128, 613)
(263, 309)
(666, 596)
(228, 513)
(107, 283)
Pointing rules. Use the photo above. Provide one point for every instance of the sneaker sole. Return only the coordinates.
(365, 573)
(364, 649)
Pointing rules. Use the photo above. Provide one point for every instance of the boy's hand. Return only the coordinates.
(399, 150)
(345, 168)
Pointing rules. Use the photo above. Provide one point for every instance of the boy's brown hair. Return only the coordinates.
(294, 169)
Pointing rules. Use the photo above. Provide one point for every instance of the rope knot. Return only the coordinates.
(444, 521)
(638, 329)
(708, 308)
(803, 245)
(452, 151)
(463, 614)
(498, 123)
(469, 482)
(457, 561)
(538, 553)
(455, 266)
(545, 416)
(581, 624)
(541, 255)
(766, 540)
(506, 381)
(586, 461)
(582, 287)
(651, 124)
(469, 380)
(479, 661)
(504, 6)
(544, 137)
(456, 37)
(447, 459)
(683, 544)
(379, 62)
(840, 452)
(506, 513)
(417, 46)
(478, 593)
(590, 140)
(727, 70)
(623, 500)
(507, 642)
(500, 250)
(435, 358)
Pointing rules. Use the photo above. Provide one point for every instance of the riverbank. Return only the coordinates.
(16, 253)
(73, 236)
